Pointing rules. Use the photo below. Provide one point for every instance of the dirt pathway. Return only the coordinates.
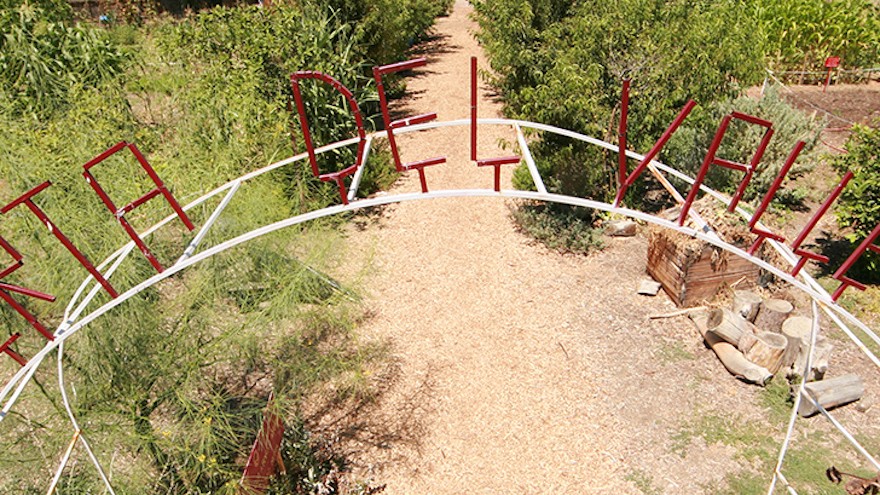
(519, 369)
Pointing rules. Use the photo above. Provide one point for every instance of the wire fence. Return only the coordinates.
(838, 76)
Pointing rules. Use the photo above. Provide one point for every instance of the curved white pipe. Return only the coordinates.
(73, 324)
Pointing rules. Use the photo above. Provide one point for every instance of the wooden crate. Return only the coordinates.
(692, 271)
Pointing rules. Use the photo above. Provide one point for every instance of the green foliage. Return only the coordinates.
(688, 146)
(859, 204)
(44, 57)
(777, 399)
(559, 227)
(752, 441)
(644, 482)
(563, 62)
(384, 29)
(809, 454)
(800, 34)
(858, 208)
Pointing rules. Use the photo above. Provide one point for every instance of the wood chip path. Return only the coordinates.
(520, 370)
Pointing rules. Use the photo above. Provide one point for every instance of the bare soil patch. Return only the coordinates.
(841, 104)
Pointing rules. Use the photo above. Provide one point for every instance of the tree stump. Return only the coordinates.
(768, 350)
(747, 304)
(772, 314)
(831, 393)
(728, 326)
(732, 359)
(797, 329)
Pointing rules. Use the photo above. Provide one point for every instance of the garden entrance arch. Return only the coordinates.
(80, 311)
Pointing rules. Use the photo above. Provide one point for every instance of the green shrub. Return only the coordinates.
(385, 29)
(687, 148)
(563, 62)
(559, 227)
(859, 204)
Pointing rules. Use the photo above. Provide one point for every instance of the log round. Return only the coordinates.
(797, 329)
(821, 356)
(772, 314)
(747, 304)
(728, 326)
(730, 356)
(768, 351)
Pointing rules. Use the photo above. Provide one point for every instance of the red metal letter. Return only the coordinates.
(27, 200)
(487, 162)
(711, 159)
(653, 152)
(264, 454)
(120, 212)
(337, 177)
(756, 216)
(5, 290)
(390, 126)
(9, 352)
(621, 133)
(796, 245)
(840, 274)
(474, 109)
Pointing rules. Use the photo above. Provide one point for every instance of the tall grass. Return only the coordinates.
(170, 386)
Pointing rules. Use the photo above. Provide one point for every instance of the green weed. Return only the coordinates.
(674, 352)
(643, 481)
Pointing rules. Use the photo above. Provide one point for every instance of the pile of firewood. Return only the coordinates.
(758, 338)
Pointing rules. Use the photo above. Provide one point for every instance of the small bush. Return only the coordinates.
(859, 204)
(559, 227)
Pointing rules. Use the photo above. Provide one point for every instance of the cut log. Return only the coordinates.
(772, 314)
(729, 326)
(821, 356)
(747, 304)
(732, 359)
(797, 329)
(768, 351)
(831, 393)
(793, 348)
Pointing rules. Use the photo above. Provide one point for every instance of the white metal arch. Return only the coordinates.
(75, 320)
